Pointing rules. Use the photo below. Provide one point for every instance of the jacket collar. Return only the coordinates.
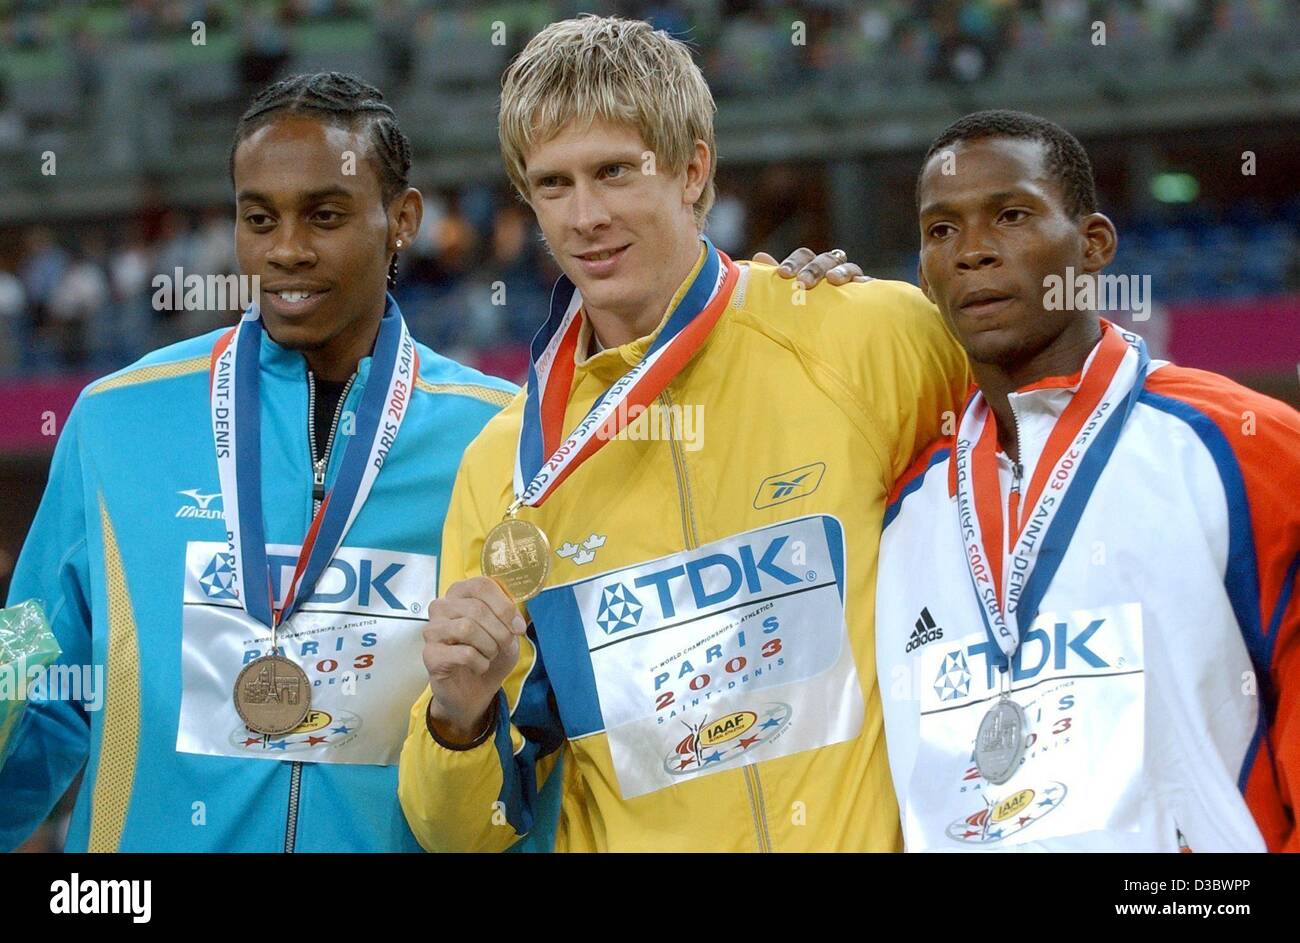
(280, 361)
(1038, 405)
(612, 362)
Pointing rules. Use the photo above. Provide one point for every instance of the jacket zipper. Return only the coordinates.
(319, 467)
(1013, 506)
(1013, 499)
(690, 532)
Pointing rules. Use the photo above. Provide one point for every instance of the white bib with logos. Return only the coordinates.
(1080, 678)
(358, 638)
(730, 654)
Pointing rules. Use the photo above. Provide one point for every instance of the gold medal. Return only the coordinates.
(517, 555)
(272, 695)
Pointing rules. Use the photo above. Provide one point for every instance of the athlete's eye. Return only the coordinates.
(939, 230)
(258, 220)
(614, 171)
(334, 216)
(1017, 213)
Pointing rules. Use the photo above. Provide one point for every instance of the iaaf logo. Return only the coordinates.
(717, 742)
(319, 729)
(726, 576)
(1000, 819)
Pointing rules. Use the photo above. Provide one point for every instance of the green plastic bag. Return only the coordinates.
(26, 643)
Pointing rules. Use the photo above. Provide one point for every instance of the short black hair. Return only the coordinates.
(1067, 161)
(341, 99)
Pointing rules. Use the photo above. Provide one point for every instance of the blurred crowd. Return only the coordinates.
(80, 296)
(743, 42)
(476, 282)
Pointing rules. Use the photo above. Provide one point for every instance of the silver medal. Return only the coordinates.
(1000, 742)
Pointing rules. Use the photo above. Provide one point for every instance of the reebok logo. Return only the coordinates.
(787, 486)
(924, 631)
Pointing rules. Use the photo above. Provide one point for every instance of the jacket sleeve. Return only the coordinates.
(52, 741)
(485, 797)
(881, 349)
(1254, 441)
(917, 375)
(1269, 460)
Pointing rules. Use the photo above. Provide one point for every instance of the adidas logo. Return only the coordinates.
(925, 631)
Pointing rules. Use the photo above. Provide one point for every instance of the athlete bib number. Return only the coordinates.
(727, 655)
(357, 639)
(1079, 677)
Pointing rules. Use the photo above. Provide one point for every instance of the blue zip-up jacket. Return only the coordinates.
(107, 557)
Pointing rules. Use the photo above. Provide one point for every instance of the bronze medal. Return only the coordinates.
(272, 695)
(517, 555)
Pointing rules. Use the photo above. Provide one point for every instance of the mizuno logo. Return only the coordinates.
(202, 500)
(202, 506)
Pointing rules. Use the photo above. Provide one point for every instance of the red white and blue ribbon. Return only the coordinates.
(1010, 584)
(545, 456)
(233, 381)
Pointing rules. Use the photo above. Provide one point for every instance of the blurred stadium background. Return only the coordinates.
(1189, 110)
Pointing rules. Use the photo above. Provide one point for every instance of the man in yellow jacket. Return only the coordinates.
(708, 448)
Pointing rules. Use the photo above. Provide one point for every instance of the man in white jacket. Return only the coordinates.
(1088, 622)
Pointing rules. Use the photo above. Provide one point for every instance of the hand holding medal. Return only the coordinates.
(471, 644)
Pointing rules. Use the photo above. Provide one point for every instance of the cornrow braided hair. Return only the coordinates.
(341, 99)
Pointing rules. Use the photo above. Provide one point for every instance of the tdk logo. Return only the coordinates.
(741, 570)
(360, 582)
(953, 680)
(619, 609)
(1066, 646)
(218, 578)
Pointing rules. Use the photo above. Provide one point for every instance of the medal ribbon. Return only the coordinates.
(1013, 581)
(550, 377)
(236, 426)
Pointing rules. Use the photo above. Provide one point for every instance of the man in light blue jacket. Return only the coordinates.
(130, 555)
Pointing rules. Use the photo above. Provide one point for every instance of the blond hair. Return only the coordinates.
(607, 68)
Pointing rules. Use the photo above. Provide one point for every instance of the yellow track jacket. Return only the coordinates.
(803, 404)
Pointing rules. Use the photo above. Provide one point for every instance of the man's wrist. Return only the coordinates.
(454, 740)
